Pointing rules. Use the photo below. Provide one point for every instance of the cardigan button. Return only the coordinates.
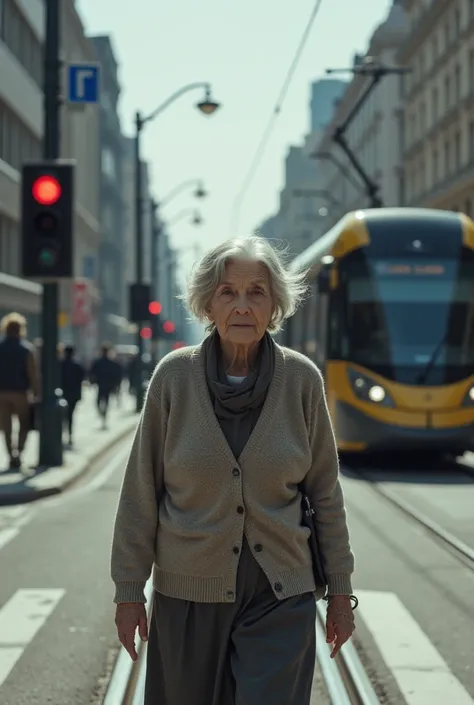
(240, 510)
(258, 547)
(236, 472)
(278, 587)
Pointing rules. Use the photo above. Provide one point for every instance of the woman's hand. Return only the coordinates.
(339, 622)
(130, 616)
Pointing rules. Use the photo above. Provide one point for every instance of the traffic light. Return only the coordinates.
(139, 302)
(169, 327)
(146, 333)
(47, 220)
(155, 308)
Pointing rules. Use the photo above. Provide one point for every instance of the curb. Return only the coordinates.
(32, 495)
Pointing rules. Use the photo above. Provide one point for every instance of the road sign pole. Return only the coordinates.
(51, 449)
(139, 253)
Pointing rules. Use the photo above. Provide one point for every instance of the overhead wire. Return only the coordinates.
(276, 111)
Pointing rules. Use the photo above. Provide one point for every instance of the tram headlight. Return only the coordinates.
(469, 398)
(368, 389)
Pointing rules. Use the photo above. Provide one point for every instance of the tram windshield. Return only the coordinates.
(409, 319)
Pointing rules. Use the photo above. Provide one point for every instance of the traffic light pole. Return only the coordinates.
(139, 122)
(51, 449)
(155, 241)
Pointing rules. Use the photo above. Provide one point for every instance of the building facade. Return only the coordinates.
(112, 314)
(374, 134)
(21, 130)
(22, 25)
(439, 100)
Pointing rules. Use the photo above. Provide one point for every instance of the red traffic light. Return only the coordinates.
(169, 327)
(46, 190)
(145, 333)
(155, 308)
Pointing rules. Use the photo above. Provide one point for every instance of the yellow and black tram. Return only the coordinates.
(390, 321)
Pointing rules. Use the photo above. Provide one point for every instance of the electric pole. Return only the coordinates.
(376, 72)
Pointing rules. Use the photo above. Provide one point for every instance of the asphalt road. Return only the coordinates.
(415, 623)
(56, 612)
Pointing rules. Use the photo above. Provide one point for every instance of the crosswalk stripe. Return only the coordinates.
(20, 620)
(422, 675)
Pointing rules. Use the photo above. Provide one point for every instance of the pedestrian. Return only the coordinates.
(18, 383)
(72, 377)
(231, 432)
(104, 374)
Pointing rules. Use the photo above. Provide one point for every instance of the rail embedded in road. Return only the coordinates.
(345, 677)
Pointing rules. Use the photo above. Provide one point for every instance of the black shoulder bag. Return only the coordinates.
(318, 568)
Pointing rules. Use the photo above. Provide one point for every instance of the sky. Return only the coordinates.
(243, 49)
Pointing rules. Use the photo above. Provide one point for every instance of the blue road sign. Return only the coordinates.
(83, 83)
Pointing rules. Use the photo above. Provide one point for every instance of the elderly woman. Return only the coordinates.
(230, 431)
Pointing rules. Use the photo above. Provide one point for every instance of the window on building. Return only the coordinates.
(435, 49)
(423, 118)
(434, 106)
(9, 246)
(457, 22)
(20, 39)
(457, 150)
(447, 92)
(17, 142)
(458, 82)
(435, 166)
(108, 162)
(447, 39)
(471, 71)
(447, 159)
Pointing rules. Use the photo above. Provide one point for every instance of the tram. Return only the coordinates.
(390, 322)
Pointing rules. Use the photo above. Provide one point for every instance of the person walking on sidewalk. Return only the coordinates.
(72, 377)
(106, 374)
(233, 433)
(18, 383)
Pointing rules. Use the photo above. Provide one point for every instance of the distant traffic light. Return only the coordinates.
(145, 333)
(169, 327)
(155, 308)
(47, 219)
(139, 303)
(179, 344)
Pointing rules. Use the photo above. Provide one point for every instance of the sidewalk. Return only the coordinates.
(89, 443)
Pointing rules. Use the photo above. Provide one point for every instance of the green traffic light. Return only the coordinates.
(47, 258)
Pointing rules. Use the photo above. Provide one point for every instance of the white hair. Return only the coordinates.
(287, 288)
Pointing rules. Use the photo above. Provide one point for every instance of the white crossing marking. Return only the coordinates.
(423, 676)
(12, 519)
(20, 620)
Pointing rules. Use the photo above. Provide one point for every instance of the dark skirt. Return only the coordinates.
(256, 651)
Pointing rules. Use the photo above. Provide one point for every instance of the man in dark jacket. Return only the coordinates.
(107, 375)
(72, 376)
(18, 383)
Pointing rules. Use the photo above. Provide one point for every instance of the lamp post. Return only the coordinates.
(207, 106)
(199, 192)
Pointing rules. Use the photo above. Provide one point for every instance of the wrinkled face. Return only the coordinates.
(242, 304)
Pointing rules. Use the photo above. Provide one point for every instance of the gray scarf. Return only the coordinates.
(238, 407)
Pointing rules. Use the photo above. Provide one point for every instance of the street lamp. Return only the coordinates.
(207, 106)
(199, 192)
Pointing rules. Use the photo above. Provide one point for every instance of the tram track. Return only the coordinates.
(345, 677)
(458, 548)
